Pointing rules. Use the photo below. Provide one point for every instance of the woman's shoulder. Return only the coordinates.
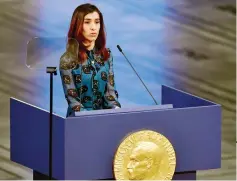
(68, 61)
(108, 50)
(109, 53)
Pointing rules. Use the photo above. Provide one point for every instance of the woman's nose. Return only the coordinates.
(93, 26)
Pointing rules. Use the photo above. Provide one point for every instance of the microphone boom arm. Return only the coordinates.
(119, 48)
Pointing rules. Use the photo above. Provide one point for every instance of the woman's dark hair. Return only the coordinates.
(76, 29)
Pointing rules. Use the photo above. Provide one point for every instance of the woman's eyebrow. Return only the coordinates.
(91, 19)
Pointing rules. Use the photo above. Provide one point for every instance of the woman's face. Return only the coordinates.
(91, 26)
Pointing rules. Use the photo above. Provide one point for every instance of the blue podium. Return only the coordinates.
(84, 146)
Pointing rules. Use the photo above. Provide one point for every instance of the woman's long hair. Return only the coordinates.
(76, 29)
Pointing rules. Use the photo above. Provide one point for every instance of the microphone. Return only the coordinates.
(120, 49)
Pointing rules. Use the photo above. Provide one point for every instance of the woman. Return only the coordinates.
(88, 77)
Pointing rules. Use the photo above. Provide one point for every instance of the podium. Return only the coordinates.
(84, 146)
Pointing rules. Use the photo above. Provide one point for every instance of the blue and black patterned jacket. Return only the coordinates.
(88, 86)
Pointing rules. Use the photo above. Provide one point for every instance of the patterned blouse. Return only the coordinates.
(90, 85)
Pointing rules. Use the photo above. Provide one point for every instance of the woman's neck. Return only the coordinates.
(89, 45)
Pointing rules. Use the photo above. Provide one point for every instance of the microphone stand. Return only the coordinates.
(52, 71)
(120, 49)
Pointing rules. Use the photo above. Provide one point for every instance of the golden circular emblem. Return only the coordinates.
(144, 155)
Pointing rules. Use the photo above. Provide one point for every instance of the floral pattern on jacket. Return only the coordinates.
(90, 85)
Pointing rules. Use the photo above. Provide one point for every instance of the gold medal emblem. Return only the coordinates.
(145, 155)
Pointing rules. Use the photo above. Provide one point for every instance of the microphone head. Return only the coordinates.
(120, 49)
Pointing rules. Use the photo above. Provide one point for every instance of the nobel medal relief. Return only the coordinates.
(144, 155)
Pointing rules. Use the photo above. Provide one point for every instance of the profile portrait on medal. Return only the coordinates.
(144, 155)
(86, 67)
(144, 161)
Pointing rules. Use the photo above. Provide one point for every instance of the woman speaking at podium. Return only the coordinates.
(88, 77)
